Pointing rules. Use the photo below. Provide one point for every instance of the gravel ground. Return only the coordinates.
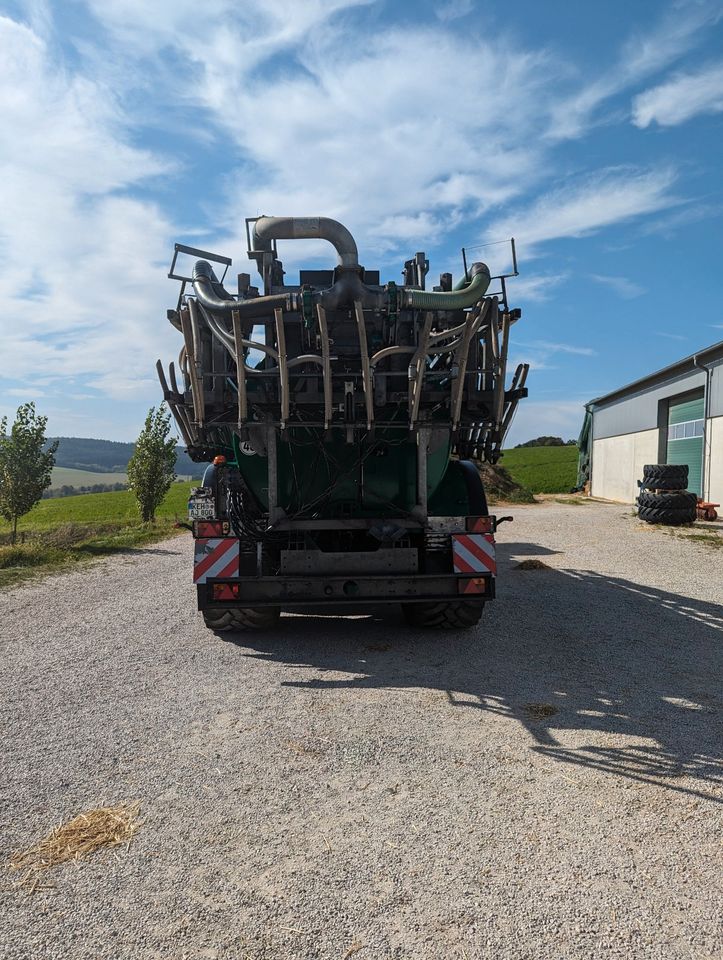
(547, 785)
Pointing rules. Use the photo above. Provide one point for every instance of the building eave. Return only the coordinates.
(714, 351)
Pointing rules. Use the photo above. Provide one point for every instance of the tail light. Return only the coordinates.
(211, 528)
(226, 591)
(480, 524)
(466, 585)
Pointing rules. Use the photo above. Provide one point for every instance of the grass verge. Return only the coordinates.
(714, 540)
(542, 469)
(59, 534)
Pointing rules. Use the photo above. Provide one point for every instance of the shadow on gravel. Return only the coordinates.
(559, 650)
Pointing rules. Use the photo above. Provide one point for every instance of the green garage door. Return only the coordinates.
(685, 436)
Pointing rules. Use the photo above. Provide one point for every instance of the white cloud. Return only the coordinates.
(688, 213)
(322, 127)
(536, 288)
(24, 393)
(670, 336)
(684, 96)
(80, 286)
(642, 55)
(600, 200)
(317, 129)
(625, 288)
(545, 354)
(551, 347)
(551, 418)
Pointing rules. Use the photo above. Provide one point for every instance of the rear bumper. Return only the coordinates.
(292, 592)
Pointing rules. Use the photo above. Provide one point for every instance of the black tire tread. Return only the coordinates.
(677, 484)
(241, 618)
(679, 500)
(445, 615)
(665, 471)
(671, 518)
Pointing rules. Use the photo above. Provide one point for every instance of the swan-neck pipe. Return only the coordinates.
(267, 229)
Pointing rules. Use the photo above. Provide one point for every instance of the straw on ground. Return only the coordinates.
(81, 836)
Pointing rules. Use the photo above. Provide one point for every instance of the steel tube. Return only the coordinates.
(267, 229)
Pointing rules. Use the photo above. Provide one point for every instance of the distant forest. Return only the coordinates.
(108, 456)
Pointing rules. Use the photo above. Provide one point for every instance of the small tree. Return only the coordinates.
(151, 468)
(25, 468)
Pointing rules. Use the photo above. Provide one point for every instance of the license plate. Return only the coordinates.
(201, 510)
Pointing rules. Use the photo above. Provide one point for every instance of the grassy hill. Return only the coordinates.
(107, 508)
(70, 477)
(543, 469)
(109, 456)
(62, 532)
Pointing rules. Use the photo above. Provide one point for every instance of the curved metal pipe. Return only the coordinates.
(205, 286)
(267, 229)
(347, 289)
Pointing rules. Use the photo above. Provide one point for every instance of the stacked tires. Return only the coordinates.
(663, 495)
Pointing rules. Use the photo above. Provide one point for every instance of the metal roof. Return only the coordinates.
(715, 349)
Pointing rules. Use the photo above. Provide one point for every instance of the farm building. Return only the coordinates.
(674, 415)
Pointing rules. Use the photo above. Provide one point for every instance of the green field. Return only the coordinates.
(69, 477)
(543, 469)
(61, 532)
(119, 508)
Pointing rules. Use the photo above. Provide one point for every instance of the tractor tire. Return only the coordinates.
(446, 615)
(671, 518)
(241, 618)
(676, 484)
(667, 472)
(668, 501)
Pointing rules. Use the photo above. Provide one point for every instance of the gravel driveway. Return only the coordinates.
(547, 785)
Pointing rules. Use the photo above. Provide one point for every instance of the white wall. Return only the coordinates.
(714, 460)
(617, 464)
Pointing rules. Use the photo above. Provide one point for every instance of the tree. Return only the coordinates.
(543, 442)
(151, 468)
(25, 468)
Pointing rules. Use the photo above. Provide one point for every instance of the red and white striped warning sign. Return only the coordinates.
(216, 557)
(474, 553)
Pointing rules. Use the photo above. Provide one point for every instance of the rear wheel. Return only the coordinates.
(447, 615)
(241, 618)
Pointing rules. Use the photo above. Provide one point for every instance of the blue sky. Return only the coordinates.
(591, 132)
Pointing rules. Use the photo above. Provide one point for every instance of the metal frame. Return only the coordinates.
(502, 277)
(202, 255)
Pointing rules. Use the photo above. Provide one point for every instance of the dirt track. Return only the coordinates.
(547, 785)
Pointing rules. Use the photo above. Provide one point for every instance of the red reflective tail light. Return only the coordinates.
(210, 528)
(226, 591)
(480, 524)
(472, 585)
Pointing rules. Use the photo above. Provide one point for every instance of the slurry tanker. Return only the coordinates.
(344, 420)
